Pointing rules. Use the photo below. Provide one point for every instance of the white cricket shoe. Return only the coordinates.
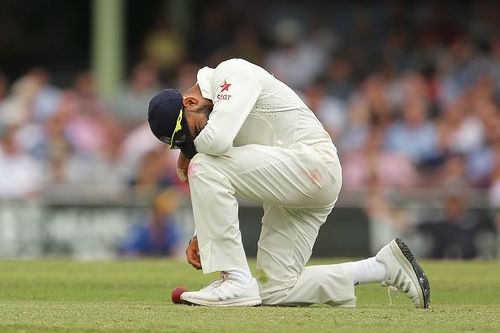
(404, 273)
(225, 292)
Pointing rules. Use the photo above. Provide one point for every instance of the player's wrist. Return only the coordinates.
(182, 174)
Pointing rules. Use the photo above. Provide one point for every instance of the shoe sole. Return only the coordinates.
(415, 271)
(250, 301)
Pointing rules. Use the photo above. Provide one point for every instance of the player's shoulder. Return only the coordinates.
(233, 62)
(234, 65)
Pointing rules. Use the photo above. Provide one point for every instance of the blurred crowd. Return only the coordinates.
(53, 137)
(410, 92)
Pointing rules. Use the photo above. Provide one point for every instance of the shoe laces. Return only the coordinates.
(390, 290)
(397, 289)
(216, 283)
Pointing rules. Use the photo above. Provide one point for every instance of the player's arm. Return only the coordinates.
(232, 105)
(182, 167)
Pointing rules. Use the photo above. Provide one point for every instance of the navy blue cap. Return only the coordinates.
(163, 112)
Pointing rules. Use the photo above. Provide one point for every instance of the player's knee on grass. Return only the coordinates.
(326, 284)
(273, 292)
(273, 298)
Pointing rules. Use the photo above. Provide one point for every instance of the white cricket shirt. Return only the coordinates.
(251, 106)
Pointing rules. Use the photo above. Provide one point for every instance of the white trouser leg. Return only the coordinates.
(215, 212)
(323, 284)
(298, 178)
(285, 246)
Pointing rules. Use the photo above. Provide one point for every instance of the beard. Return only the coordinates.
(188, 148)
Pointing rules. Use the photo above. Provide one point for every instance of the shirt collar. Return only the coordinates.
(204, 78)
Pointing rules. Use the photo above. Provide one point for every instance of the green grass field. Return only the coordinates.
(134, 296)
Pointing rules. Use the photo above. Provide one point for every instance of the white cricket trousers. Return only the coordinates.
(298, 186)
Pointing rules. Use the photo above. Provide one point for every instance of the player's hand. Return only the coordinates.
(193, 253)
(182, 167)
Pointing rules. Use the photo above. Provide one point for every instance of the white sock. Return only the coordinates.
(367, 271)
(240, 275)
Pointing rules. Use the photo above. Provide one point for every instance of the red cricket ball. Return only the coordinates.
(176, 295)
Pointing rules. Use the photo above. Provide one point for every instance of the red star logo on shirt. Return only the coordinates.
(225, 86)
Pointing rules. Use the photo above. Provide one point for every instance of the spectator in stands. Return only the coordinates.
(295, 50)
(246, 43)
(340, 77)
(390, 169)
(154, 173)
(330, 111)
(46, 97)
(133, 99)
(17, 107)
(80, 142)
(101, 159)
(357, 128)
(54, 148)
(215, 32)
(453, 173)
(466, 131)
(454, 235)
(137, 143)
(374, 94)
(408, 86)
(453, 66)
(482, 162)
(155, 234)
(387, 220)
(82, 129)
(164, 46)
(414, 135)
(368, 106)
(21, 175)
(186, 75)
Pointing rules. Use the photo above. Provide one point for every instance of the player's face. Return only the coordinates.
(196, 110)
(197, 116)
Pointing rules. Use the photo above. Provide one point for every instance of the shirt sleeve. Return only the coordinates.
(235, 92)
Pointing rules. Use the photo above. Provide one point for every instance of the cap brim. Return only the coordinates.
(179, 135)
